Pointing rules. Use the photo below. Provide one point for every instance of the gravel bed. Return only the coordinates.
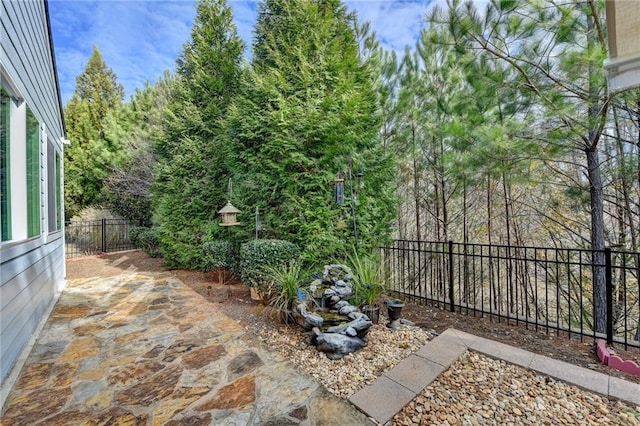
(479, 390)
(385, 349)
(475, 390)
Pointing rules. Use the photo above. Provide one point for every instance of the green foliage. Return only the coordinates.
(91, 155)
(368, 277)
(144, 238)
(139, 126)
(257, 254)
(285, 282)
(217, 254)
(190, 183)
(306, 111)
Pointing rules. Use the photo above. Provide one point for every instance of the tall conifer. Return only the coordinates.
(91, 156)
(192, 161)
(307, 112)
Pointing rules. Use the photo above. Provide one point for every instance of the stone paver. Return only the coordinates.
(442, 350)
(383, 398)
(581, 377)
(144, 349)
(415, 372)
(624, 390)
(499, 350)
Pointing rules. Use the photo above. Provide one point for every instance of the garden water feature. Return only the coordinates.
(337, 327)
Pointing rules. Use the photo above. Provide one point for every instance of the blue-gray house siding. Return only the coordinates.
(31, 267)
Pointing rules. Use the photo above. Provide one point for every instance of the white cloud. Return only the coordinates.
(396, 23)
(140, 39)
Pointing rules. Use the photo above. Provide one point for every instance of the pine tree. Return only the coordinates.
(557, 53)
(89, 159)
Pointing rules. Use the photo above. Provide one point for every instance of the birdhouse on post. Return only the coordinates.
(229, 215)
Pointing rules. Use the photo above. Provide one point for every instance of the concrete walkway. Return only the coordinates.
(396, 388)
(144, 349)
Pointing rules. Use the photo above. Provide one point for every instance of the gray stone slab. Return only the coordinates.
(451, 335)
(581, 377)
(443, 350)
(382, 399)
(415, 373)
(499, 350)
(624, 390)
(466, 338)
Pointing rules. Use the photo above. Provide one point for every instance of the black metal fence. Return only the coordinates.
(549, 289)
(90, 237)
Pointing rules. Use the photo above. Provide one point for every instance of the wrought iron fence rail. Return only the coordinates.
(92, 237)
(547, 288)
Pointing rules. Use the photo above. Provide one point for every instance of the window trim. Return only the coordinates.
(5, 167)
(32, 147)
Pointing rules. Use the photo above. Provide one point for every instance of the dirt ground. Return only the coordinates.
(234, 299)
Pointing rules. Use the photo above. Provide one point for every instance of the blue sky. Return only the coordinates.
(140, 39)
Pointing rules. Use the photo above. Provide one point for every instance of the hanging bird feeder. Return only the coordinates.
(338, 189)
(229, 215)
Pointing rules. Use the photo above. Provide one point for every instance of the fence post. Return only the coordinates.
(451, 304)
(609, 293)
(104, 236)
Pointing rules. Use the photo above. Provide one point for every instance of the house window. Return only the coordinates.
(33, 175)
(54, 186)
(5, 187)
(58, 191)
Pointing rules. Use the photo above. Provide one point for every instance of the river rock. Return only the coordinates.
(346, 310)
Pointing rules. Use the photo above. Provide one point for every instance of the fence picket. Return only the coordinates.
(557, 285)
(91, 237)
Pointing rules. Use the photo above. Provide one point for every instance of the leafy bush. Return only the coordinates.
(217, 254)
(146, 239)
(257, 255)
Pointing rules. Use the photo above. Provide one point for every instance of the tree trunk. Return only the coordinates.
(597, 240)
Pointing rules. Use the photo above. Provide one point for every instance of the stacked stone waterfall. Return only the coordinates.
(337, 327)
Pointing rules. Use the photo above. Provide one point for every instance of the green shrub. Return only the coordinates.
(257, 255)
(217, 254)
(286, 283)
(368, 277)
(146, 239)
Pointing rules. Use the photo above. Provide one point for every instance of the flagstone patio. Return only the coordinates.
(143, 348)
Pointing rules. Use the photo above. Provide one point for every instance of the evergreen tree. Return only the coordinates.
(91, 156)
(192, 155)
(307, 113)
(557, 52)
